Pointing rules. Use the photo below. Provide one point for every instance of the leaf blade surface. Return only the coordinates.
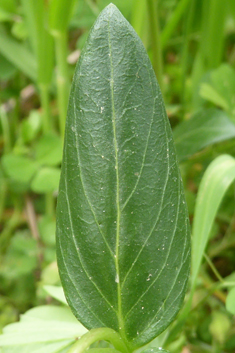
(122, 229)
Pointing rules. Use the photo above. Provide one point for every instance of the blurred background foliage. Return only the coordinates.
(191, 44)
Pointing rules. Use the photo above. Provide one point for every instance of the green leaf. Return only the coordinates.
(220, 326)
(230, 301)
(24, 60)
(60, 13)
(5, 16)
(9, 5)
(50, 313)
(42, 42)
(122, 225)
(21, 256)
(7, 70)
(215, 182)
(48, 150)
(46, 180)
(56, 293)
(46, 227)
(57, 347)
(43, 324)
(19, 168)
(218, 87)
(205, 128)
(31, 126)
(155, 350)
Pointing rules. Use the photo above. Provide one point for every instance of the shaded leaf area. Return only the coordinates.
(123, 239)
(205, 128)
(218, 87)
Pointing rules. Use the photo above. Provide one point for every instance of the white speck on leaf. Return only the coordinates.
(117, 278)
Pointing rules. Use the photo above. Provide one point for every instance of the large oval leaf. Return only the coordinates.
(122, 226)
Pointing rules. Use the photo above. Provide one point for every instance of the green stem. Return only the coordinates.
(210, 263)
(94, 8)
(62, 77)
(5, 130)
(185, 50)
(99, 334)
(173, 22)
(155, 40)
(46, 121)
(15, 221)
(45, 103)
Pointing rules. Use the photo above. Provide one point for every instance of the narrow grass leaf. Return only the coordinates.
(24, 60)
(215, 182)
(41, 40)
(122, 225)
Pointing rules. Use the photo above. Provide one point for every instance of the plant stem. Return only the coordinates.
(155, 40)
(139, 19)
(210, 263)
(5, 130)
(98, 334)
(45, 102)
(3, 192)
(173, 21)
(185, 50)
(94, 8)
(11, 225)
(62, 77)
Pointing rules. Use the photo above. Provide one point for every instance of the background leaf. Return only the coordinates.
(48, 150)
(204, 129)
(57, 293)
(24, 60)
(230, 301)
(45, 324)
(46, 180)
(215, 182)
(218, 87)
(13, 166)
(123, 238)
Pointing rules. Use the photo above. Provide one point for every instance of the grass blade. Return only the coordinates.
(215, 182)
(25, 61)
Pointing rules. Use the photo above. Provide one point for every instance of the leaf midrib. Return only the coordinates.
(119, 302)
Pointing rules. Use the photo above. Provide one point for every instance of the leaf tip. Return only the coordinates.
(110, 9)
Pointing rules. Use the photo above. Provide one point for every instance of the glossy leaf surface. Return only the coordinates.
(122, 226)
